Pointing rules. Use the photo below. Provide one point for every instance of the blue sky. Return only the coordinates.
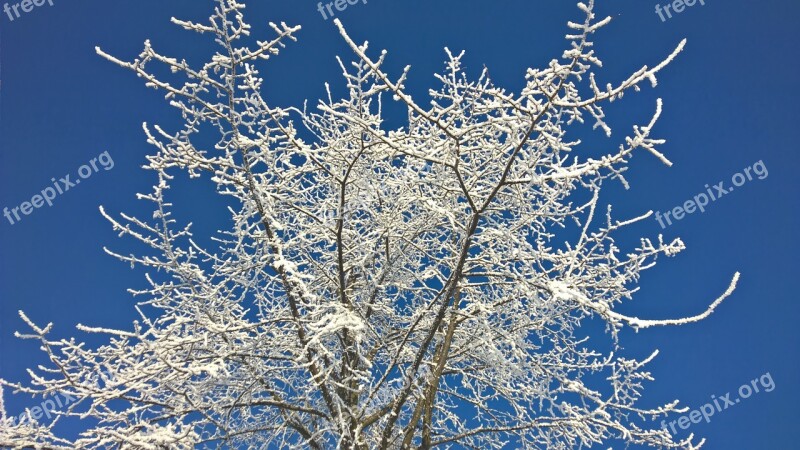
(731, 99)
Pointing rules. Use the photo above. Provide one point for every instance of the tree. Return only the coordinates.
(377, 289)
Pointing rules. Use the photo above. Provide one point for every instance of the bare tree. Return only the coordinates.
(376, 289)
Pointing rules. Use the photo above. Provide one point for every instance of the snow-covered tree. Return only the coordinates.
(376, 288)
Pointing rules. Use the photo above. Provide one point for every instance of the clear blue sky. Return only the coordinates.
(731, 100)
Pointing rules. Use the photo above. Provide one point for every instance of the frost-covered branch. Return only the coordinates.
(419, 287)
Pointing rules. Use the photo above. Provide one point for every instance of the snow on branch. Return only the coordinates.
(418, 287)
